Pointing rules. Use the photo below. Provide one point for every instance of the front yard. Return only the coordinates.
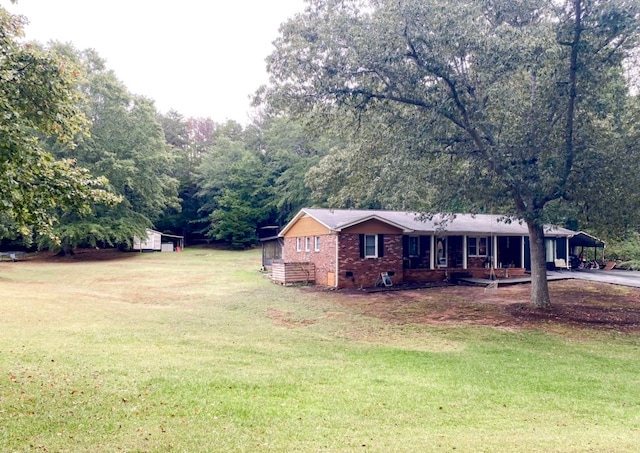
(198, 351)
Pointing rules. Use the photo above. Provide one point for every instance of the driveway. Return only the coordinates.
(615, 277)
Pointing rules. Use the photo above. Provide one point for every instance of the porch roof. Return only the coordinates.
(413, 222)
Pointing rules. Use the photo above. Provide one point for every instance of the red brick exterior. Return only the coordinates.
(424, 275)
(356, 272)
(324, 260)
(363, 272)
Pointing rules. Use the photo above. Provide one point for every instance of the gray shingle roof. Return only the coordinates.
(411, 222)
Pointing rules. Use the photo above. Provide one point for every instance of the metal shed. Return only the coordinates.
(158, 242)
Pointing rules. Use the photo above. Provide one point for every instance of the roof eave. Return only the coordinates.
(297, 217)
(373, 217)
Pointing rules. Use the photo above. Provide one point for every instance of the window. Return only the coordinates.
(370, 246)
(299, 244)
(477, 246)
(317, 243)
(307, 244)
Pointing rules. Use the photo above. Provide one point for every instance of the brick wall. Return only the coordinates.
(424, 275)
(476, 262)
(356, 272)
(324, 260)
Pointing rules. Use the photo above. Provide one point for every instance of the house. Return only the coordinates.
(352, 248)
(158, 242)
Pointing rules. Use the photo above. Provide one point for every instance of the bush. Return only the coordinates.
(627, 249)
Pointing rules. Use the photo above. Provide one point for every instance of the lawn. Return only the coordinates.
(199, 352)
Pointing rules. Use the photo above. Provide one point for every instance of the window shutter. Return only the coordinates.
(380, 245)
(405, 246)
(361, 245)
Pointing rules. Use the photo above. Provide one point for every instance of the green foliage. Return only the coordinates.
(626, 249)
(629, 265)
(290, 151)
(126, 146)
(235, 182)
(515, 105)
(252, 177)
(39, 98)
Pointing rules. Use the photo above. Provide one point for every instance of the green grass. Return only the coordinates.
(197, 351)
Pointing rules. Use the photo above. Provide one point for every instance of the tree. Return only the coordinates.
(243, 204)
(290, 152)
(179, 136)
(233, 181)
(126, 145)
(255, 176)
(39, 99)
(509, 96)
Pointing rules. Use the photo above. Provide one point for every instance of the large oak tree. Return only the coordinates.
(509, 100)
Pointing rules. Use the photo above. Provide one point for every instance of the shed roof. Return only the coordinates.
(413, 222)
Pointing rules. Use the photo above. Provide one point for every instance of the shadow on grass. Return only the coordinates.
(80, 255)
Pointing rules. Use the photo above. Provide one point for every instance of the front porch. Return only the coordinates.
(429, 257)
(458, 273)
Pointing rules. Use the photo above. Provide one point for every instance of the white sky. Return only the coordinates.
(202, 58)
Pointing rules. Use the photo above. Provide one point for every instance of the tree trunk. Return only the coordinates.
(539, 286)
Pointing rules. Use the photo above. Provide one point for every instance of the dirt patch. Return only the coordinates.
(287, 319)
(574, 304)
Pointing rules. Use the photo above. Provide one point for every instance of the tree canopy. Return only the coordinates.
(39, 99)
(126, 145)
(511, 104)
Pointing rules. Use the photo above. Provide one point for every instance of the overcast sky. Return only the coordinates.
(201, 58)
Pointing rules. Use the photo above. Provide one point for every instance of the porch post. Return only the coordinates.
(522, 241)
(464, 251)
(494, 244)
(337, 266)
(432, 258)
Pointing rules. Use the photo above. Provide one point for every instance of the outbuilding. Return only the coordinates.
(158, 242)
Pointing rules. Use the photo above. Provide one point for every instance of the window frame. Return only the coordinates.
(316, 243)
(478, 246)
(307, 244)
(375, 246)
(298, 244)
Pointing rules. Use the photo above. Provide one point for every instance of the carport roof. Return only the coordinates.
(582, 239)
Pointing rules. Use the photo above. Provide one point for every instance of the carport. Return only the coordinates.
(588, 245)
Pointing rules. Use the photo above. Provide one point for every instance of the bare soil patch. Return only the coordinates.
(575, 304)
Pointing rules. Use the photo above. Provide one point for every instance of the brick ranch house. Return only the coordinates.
(351, 248)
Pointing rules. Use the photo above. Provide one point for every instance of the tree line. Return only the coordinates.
(526, 108)
(87, 163)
